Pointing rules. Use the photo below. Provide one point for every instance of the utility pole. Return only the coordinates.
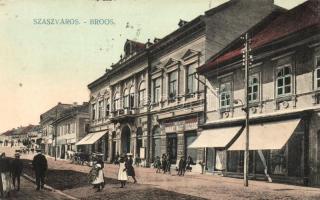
(246, 62)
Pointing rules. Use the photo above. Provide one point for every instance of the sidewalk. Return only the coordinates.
(28, 192)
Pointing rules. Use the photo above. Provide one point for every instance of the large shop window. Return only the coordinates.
(225, 95)
(142, 91)
(253, 89)
(192, 152)
(156, 142)
(173, 84)
(284, 81)
(191, 80)
(172, 147)
(156, 90)
(139, 141)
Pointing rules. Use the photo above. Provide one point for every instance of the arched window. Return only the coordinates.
(116, 101)
(126, 98)
(284, 81)
(142, 94)
(131, 94)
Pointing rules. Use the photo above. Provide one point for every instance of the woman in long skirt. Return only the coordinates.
(97, 177)
(122, 173)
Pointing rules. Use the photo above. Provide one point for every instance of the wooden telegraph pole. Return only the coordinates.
(246, 62)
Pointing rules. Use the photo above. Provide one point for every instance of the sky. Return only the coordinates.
(42, 64)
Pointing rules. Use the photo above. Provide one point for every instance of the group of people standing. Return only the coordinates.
(164, 164)
(10, 174)
(126, 169)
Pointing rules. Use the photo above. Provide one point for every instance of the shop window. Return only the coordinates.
(192, 152)
(225, 95)
(191, 79)
(139, 141)
(284, 81)
(253, 88)
(156, 141)
(172, 147)
(142, 91)
(156, 90)
(173, 85)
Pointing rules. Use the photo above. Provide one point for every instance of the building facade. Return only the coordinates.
(152, 101)
(71, 127)
(47, 129)
(283, 100)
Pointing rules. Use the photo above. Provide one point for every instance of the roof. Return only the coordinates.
(290, 22)
(19, 131)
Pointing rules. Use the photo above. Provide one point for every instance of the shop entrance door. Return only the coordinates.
(172, 147)
(210, 159)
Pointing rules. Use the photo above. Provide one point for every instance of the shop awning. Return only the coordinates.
(91, 138)
(272, 135)
(219, 137)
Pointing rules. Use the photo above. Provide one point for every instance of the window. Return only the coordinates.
(317, 73)
(116, 101)
(173, 77)
(142, 91)
(68, 128)
(126, 99)
(225, 95)
(191, 81)
(100, 109)
(253, 88)
(284, 80)
(107, 107)
(93, 111)
(156, 90)
(131, 99)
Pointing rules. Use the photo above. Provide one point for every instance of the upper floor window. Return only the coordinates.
(100, 109)
(225, 95)
(284, 81)
(93, 111)
(126, 98)
(142, 91)
(173, 85)
(156, 90)
(116, 101)
(68, 128)
(253, 88)
(191, 79)
(317, 73)
(107, 107)
(131, 99)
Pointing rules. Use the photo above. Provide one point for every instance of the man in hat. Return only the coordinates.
(130, 169)
(40, 166)
(16, 170)
(5, 176)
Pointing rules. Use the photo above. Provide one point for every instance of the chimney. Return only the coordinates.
(182, 23)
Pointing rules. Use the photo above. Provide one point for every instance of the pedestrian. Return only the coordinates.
(16, 170)
(96, 176)
(130, 168)
(158, 164)
(122, 173)
(189, 163)
(5, 173)
(168, 161)
(164, 163)
(40, 166)
(182, 166)
(100, 161)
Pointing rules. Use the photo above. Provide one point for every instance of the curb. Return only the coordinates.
(49, 187)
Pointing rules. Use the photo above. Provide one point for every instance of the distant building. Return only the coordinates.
(71, 126)
(47, 130)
